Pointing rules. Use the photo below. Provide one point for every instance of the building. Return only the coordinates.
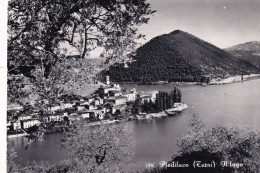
(118, 100)
(14, 107)
(66, 105)
(130, 95)
(153, 94)
(146, 98)
(81, 108)
(100, 113)
(9, 125)
(88, 114)
(25, 124)
(149, 96)
(118, 109)
(24, 117)
(57, 117)
(107, 80)
(90, 107)
(97, 102)
(16, 125)
(74, 117)
(104, 90)
(89, 100)
(53, 107)
(114, 93)
(101, 101)
(83, 102)
(85, 115)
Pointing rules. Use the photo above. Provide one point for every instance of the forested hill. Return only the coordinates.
(249, 51)
(178, 56)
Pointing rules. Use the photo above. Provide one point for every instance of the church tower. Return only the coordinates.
(107, 80)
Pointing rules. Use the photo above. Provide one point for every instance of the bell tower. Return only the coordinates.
(107, 80)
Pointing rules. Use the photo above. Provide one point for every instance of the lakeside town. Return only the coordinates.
(108, 104)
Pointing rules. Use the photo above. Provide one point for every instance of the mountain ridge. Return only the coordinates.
(178, 56)
(247, 46)
(249, 51)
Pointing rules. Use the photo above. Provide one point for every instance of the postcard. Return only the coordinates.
(132, 86)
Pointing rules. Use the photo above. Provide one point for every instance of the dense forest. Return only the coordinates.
(178, 56)
(163, 101)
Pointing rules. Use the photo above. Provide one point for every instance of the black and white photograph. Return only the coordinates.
(131, 86)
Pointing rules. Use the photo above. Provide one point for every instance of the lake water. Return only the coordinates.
(236, 104)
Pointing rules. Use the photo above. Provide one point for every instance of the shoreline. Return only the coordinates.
(17, 135)
(103, 122)
(214, 81)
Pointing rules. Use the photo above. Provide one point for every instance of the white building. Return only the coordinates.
(146, 98)
(114, 93)
(85, 115)
(118, 100)
(24, 117)
(66, 105)
(53, 107)
(16, 125)
(90, 107)
(57, 117)
(25, 124)
(131, 95)
(150, 95)
(107, 80)
(81, 108)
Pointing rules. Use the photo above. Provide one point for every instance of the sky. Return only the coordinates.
(223, 23)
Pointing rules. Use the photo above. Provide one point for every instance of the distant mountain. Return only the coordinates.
(249, 51)
(253, 46)
(178, 56)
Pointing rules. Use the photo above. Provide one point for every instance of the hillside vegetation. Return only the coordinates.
(249, 51)
(178, 56)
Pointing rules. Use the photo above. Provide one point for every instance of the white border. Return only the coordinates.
(3, 83)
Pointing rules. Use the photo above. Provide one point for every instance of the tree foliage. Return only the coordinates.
(216, 144)
(163, 101)
(232, 144)
(37, 28)
(11, 155)
(106, 148)
(41, 33)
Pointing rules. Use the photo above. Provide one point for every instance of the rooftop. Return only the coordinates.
(114, 91)
(25, 115)
(146, 97)
(29, 120)
(127, 92)
(116, 98)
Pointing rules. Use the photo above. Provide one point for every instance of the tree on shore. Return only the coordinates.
(235, 145)
(164, 100)
(106, 148)
(36, 29)
(216, 144)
